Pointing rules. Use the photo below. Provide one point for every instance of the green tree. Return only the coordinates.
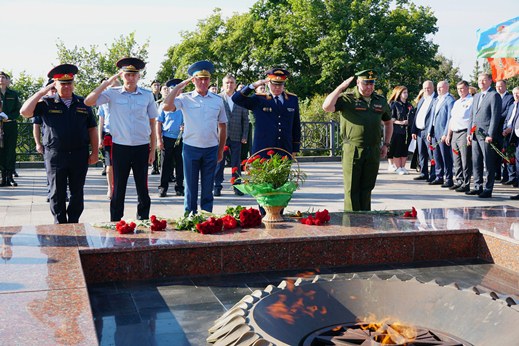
(94, 64)
(320, 42)
(26, 85)
(445, 71)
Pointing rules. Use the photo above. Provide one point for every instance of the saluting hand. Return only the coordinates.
(260, 83)
(346, 83)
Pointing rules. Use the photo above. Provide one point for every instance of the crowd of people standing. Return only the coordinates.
(184, 136)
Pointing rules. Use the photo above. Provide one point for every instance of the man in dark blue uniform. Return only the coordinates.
(276, 113)
(70, 128)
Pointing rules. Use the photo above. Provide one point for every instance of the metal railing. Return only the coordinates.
(318, 138)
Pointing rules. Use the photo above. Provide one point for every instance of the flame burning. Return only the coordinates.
(388, 331)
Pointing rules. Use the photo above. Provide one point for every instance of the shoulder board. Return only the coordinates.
(80, 98)
(216, 95)
(379, 96)
(262, 95)
(289, 93)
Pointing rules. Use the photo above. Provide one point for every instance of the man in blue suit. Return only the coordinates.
(276, 113)
(419, 128)
(437, 133)
(486, 115)
(511, 136)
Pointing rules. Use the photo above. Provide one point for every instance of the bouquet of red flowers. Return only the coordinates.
(320, 218)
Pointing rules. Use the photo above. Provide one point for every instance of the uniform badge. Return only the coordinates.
(291, 109)
(55, 111)
(267, 109)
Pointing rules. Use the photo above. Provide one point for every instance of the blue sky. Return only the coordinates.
(31, 28)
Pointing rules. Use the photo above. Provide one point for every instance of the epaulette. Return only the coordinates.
(379, 95)
(289, 93)
(267, 96)
(216, 94)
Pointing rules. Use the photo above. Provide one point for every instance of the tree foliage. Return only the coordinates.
(94, 65)
(320, 42)
(26, 85)
(445, 71)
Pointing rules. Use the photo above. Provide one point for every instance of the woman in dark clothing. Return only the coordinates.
(401, 111)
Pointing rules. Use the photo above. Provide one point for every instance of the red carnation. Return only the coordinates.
(234, 170)
(320, 218)
(233, 180)
(512, 161)
(271, 152)
(433, 162)
(473, 129)
(229, 222)
(250, 218)
(226, 148)
(263, 160)
(456, 152)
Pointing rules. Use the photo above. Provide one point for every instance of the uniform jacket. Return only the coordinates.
(66, 129)
(11, 104)
(488, 115)
(360, 120)
(441, 115)
(237, 121)
(428, 117)
(276, 125)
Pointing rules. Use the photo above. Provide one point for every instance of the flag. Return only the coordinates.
(503, 68)
(499, 41)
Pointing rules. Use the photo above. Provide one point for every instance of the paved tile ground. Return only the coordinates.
(26, 204)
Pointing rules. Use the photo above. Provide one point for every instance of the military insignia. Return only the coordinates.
(370, 75)
(291, 109)
(55, 111)
(360, 108)
(267, 109)
(81, 110)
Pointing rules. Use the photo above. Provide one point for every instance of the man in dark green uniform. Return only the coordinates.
(11, 107)
(362, 112)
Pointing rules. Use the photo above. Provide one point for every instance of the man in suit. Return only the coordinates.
(486, 114)
(457, 137)
(511, 136)
(237, 133)
(437, 133)
(419, 128)
(506, 101)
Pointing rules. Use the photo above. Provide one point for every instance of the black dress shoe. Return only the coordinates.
(179, 193)
(436, 182)
(474, 192)
(217, 192)
(10, 181)
(155, 172)
(485, 194)
(514, 198)
(15, 174)
(508, 182)
(420, 177)
(238, 192)
(447, 184)
(454, 186)
(462, 189)
(162, 192)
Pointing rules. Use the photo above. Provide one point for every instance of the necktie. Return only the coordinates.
(480, 100)
(277, 100)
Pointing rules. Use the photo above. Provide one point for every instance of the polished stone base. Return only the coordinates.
(44, 275)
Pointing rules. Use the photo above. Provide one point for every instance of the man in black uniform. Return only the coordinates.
(70, 127)
(11, 107)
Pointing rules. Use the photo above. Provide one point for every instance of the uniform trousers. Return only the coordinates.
(171, 158)
(8, 152)
(199, 162)
(462, 158)
(235, 153)
(360, 168)
(63, 167)
(424, 153)
(124, 159)
(482, 153)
